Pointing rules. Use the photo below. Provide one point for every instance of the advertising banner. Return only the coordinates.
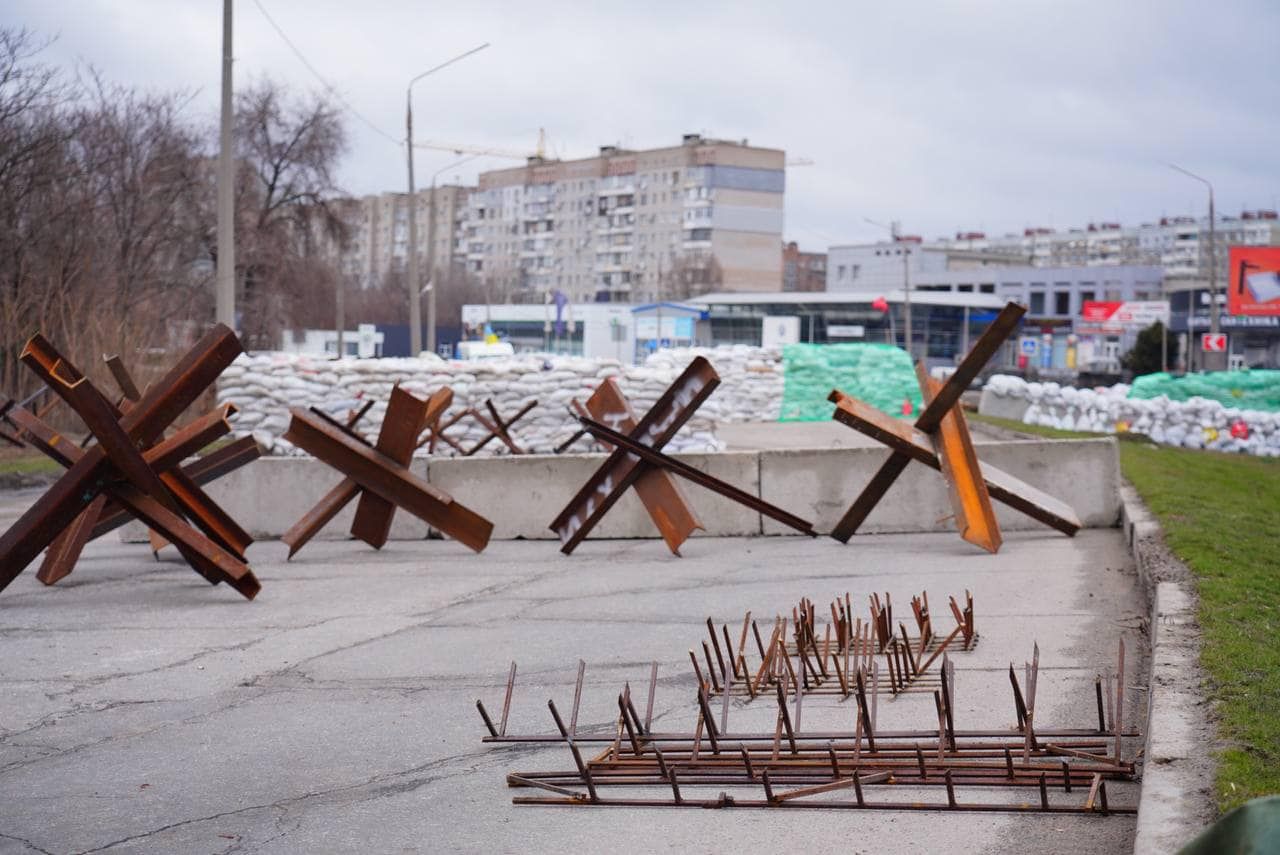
(1253, 280)
(1113, 317)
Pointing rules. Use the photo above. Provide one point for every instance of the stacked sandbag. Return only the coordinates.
(751, 379)
(264, 386)
(1194, 423)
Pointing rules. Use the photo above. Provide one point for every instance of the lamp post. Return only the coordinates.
(906, 284)
(1218, 361)
(431, 253)
(415, 300)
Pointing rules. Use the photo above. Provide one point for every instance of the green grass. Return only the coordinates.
(1221, 516)
(20, 463)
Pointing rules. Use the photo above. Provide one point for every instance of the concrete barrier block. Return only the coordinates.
(272, 493)
(522, 494)
(821, 484)
(1002, 406)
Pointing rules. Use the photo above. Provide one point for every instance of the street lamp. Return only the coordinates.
(906, 283)
(431, 253)
(415, 303)
(1206, 358)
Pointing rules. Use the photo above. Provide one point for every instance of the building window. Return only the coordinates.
(1086, 297)
(965, 289)
(1037, 303)
(854, 270)
(840, 269)
(1062, 302)
(987, 288)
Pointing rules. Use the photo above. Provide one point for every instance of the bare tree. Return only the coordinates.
(287, 151)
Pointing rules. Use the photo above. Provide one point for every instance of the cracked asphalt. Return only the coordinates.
(142, 710)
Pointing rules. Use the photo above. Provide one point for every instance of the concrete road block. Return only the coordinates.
(522, 494)
(270, 494)
(823, 483)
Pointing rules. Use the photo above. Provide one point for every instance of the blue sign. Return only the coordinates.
(1029, 346)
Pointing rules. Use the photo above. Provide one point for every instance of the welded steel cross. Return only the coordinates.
(130, 469)
(636, 461)
(379, 474)
(940, 439)
(103, 516)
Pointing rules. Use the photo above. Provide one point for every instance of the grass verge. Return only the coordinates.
(1221, 516)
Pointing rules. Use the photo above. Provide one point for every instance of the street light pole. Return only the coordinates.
(415, 296)
(431, 253)
(1219, 362)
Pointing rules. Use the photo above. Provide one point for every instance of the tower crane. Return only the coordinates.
(463, 148)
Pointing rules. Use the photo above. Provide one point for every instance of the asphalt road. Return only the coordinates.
(145, 711)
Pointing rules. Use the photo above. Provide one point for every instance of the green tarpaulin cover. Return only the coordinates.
(1258, 389)
(880, 374)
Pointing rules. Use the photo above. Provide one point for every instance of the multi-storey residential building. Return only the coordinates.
(803, 271)
(626, 224)
(378, 233)
(1178, 244)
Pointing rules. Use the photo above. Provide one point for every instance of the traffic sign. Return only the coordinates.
(1029, 345)
(1213, 342)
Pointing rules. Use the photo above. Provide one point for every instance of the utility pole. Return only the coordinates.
(896, 238)
(225, 280)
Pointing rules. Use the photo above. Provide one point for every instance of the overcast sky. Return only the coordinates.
(984, 116)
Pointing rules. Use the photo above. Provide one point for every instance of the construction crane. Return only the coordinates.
(462, 148)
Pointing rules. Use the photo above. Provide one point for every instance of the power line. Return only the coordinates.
(325, 83)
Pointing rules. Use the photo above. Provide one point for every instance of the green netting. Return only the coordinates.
(1258, 389)
(880, 374)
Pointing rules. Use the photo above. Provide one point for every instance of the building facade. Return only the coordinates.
(1180, 245)
(803, 271)
(377, 239)
(625, 224)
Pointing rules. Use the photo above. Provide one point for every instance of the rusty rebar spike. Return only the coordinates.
(728, 649)
(1019, 707)
(709, 722)
(488, 723)
(577, 698)
(1066, 776)
(626, 722)
(711, 668)
(648, 706)
(1044, 793)
(746, 763)
(951, 792)
(759, 644)
(786, 718)
(506, 702)
(635, 716)
(715, 643)
(1097, 688)
(555, 716)
(697, 672)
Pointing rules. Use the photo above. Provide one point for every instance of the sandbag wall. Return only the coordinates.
(1194, 423)
(264, 386)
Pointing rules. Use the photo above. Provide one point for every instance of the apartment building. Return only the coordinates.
(378, 233)
(631, 225)
(1178, 244)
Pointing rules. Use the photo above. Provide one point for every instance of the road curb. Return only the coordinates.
(1176, 799)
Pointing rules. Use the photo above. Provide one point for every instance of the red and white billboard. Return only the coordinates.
(1253, 280)
(1113, 317)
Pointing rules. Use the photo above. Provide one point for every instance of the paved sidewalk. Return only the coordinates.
(144, 711)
